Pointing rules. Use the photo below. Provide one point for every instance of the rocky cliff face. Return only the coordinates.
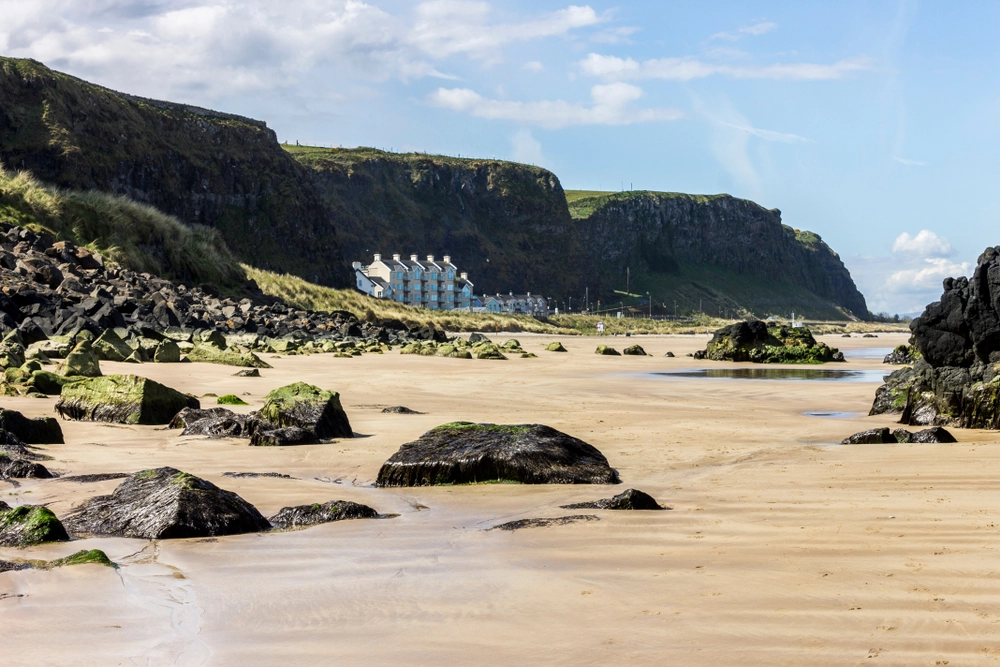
(204, 167)
(659, 233)
(506, 224)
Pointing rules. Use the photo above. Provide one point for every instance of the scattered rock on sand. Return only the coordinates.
(555, 346)
(607, 350)
(400, 410)
(283, 436)
(309, 515)
(28, 525)
(464, 453)
(308, 407)
(934, 434)
(251, 475)
(635, 350)
(213, 422)
(17, 468)
(122, 399)
(81, 362)
(872, 436)
(248, 373)
(33, 431)
(630, 499)
(488, 351)
(669, 354)
(544, 523)
(902, 355)
(165, 503)
(760, 342)
(230, 399)
(211, 354)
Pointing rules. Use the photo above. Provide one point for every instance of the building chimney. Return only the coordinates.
(413, 258)
(378, 257)
(529, 293)
(510, 294)
(447, 259)
(395, 257)
(465, 275)
(430, 258)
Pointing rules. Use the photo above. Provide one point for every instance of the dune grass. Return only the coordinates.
(130, 234)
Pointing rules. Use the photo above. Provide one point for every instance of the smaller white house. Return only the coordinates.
(372, 285)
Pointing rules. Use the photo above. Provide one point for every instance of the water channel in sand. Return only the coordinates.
(776, 552)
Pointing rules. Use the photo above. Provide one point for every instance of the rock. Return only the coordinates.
(669, 354)
(28, 525)
(934, 434)
(210, 354)
(213, 422)
(901, 355)
(465, 453)
(97, 477)
(14, 468)
(489, 351)
(635, 350)
(165, 503)
(34, 431)
(230, 399)
(168, 352)
(607, 350)
(902, 435)
(310, 515)
(555, 346)
(870, 437)
(248, 373)
(477, 338)
(251, 475)
(630, 499)
(400, 410)
(868, 335)
(81, 362)
(48, 383)
(110, 347)
(263, 436)
(544, 523)
(122, 399)
(759, 342)
(307, 407)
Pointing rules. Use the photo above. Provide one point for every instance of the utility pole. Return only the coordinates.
(586, 299)
(628, 271)
(650, 299)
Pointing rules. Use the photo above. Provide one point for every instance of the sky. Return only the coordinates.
(874, 124)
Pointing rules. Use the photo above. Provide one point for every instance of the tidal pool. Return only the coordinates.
(867, 352)
(780, 373)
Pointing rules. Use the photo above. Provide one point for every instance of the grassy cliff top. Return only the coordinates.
(316, 155)
(583, 203)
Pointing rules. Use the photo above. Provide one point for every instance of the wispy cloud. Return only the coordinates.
(533, 66)
(910, 163)
(767, 135)
(611, 104)
(618, 35)
(690, 68)
(759, 28)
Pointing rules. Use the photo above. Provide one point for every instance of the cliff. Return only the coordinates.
(505, 223)
(725, 252)
(204, 167)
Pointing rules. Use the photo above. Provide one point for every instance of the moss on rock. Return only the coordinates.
(210, 354)
(122, 399)
(308, 407)
(28, 525)
(231, 399)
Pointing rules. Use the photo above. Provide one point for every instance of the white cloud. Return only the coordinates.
(925, 244)
(926, 276)
(690, 68)
(612, 104)
(755, 29)
(533, 66)
(525, 148)
(910, 163)
(217, 47)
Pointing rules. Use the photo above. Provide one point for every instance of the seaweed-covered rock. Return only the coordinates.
(477, 338)
(307, 407)
(81, 362)
(463, 452)
(489, 351)
(607, 350)
(230, 399)
(635, 350)
(211, 354)
(934, 434)
(213, 422)
(122, 399)
(872, 436)
(33, 431)
(27, 525)
(400, 410)
(247, 373)
(545, 522)
(309, 515)
(902, 435)
(16, 468)
(555, 346)
(50, 384)
(165, 503)
(759, 342)
(629, 499)
(902, 355)
(167, 352)
(109, 346)
(267, 435)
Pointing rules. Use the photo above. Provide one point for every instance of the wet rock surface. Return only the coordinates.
(28, 525)
(252, 475)
(870, 437)
(764, 343)
(165, 503)
(122, 399)
(935, 434)
(464, 453)
(902, 355)
(96, 477)
(400, 410)
(213, 422)
(309, 515)
(18, 468)
(545, 522)
(32, 431)
(307, 407)
(630, 499)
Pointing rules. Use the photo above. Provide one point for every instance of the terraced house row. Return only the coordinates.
(427, 284)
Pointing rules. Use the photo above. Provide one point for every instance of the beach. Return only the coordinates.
(781, 547)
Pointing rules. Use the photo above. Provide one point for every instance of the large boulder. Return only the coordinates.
(213, 422)
(33, 431)
(759, 342)
(607, 350)
(309, 515)
(265, 434)
(465, 453)
(307, 407)
(109, 346)
(635, 350)
(81, 362)
(122, 399)
(555, 346)
(874, 436)
(17, 468)
(27, 525)
(165, 503)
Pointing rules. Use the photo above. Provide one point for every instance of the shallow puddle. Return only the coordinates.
(833, 415)
(780, 373)
(867, 352)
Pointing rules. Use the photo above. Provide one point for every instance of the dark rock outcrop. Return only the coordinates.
(873, 436)
(307, 407)
(16, 468)
(122, 399)
(310, 515)
(27, 525)
(607, 351)
(902, 355)
(629, 499)
(545, 522)
(33, 431)
(213, 422)
(400, 410)
(266, 434)
(764, 343)
(162, 504)
(465, 453)
(635, 350)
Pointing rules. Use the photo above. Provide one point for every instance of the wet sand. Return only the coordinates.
(779, 550)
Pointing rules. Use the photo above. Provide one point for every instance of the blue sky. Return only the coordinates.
(874, 124)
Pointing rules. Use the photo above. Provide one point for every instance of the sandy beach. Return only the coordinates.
(779, 549)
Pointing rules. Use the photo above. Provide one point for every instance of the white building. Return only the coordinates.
(437, 285)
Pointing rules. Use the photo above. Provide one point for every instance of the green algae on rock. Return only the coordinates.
(555, 346)
(81, 362)
(33, 431)
(28, 525)
(468, 453)
(50, 384)
(122, 399)
(309, 515)
(635, 350)
(109, 346)
(762, 343)
(210, 354)
(307, 407)
(230, 399)
(607, 350)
